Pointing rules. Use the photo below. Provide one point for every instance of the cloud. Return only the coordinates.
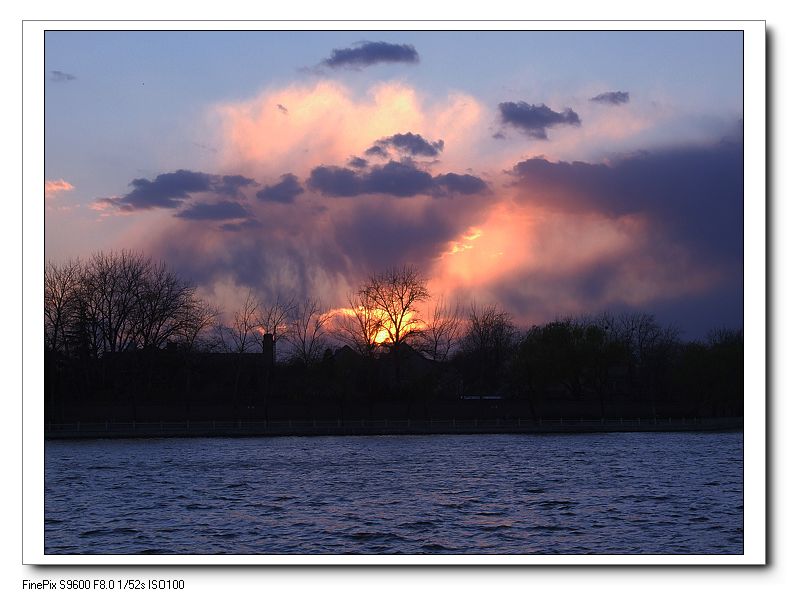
(637, 231)
(285, 191)
(172, 189)
(464, 184)
(53, 188)
(328, 123)
(611, 98)
(534, 120)
(413, 144)
(60, 76)
(695, 193)
(378, 150)
(335, 181)
(400, 179)
(216, 211)
(364, 54)
(357, 162)
(232, 184)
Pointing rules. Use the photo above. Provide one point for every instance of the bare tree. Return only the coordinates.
(162, 306)
(490, 330)
(441, 332)
(395, 293)
(61, 291)
(198, 318)
(241, 335)
(113, 286)
(488, 340)
(360, 326)
(273, 318)
(307, 333)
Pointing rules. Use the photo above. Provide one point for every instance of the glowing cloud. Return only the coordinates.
(326, 124)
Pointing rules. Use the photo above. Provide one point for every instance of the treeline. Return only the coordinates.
(126, 338)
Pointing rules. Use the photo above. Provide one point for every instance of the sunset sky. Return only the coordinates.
(548, 172)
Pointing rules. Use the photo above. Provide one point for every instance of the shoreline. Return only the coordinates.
(286, 428)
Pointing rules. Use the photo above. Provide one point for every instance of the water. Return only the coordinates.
(617, 493)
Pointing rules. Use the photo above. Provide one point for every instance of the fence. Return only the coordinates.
(385, 426)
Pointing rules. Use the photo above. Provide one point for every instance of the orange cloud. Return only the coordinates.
(326, 123)
(531, 259)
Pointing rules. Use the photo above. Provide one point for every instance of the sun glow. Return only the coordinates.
(379, 322)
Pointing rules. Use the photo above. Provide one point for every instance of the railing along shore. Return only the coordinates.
(228, 428)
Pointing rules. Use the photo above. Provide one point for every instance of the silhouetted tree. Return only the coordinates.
(308, 333)
(395, 293)
(240, 336)
(441, 332)
(162, 306)
(601, 351)
(114, 284)
(198, 319)
(651, 353)
(726, 371)
(61, 289)
(487, 344)
(359, 326)
(273, 318)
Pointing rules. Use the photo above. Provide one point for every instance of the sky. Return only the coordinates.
(550, 173)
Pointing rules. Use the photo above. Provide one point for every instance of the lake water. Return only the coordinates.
(616, 493)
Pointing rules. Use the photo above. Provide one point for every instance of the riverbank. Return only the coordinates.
(283, 428)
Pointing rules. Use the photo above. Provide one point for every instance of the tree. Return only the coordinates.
(240, 337)
(359, 326)
(441, 332)
(395, 293)
(198, 318)
(651, 350)
(273, 318)
(601, 351)
(113, 286)
(162, 306)
(487, 343)
(61, 290)
(307, 334)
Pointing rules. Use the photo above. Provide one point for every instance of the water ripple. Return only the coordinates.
(546, 494)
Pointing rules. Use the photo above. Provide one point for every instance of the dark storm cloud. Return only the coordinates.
(172, 189)
(396, 178)
(695, 193)
(611, 98)
(357, 162)
(167, 190)
(365, 54)
(400, 179)
(61, 76)
(413, 144)
(335, 181)
(377, 150)
(465, 184)
(232, 184)
(218, 211)
(285, 191)
(534, 120)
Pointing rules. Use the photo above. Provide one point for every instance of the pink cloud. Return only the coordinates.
(53, 188)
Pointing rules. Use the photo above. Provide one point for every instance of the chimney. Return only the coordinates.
(268, 350)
